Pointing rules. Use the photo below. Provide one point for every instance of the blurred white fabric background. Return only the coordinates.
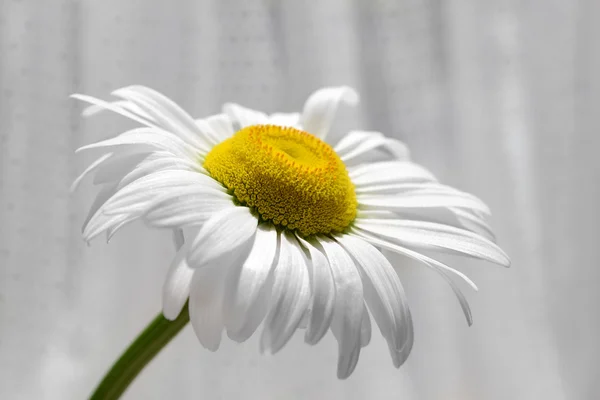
(497, 98)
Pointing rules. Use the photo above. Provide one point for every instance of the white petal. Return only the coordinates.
(176, 288)
(421, 187)
(290, 296)
(437, 266)
(104, 194)
(247, 287)
(419, 200)
(323, 295)
(142, 192)
(243, 116)
(356, 143)
(112, 106)
(163, 161)
(119, 165)
(459, 218)
(166, 113)
(146, 138)
(346, 323)
(400, 356)
(320, 108)
(105, 223)
(206, 302)
(383, 291)
(473, 223)
(430, 235)
(123, 104)
(186, 210)
(285, 119)
(389, 172)
(91, 168)
(221, 126)
(226, 230)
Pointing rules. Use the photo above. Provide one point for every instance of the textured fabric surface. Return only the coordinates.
(496, 98)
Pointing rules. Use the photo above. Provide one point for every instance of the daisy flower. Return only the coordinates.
(277, 226)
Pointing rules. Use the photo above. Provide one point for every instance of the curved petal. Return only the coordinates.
(437, 266)
(144, 138)
(185, 210)
(115, 107)
(243, 117)
(206, 302)
(383, 291)
(389, 172)
(118, 104)
(323, 295)
(320, 108)
(290, 296)
(434, 236)
(120, 165)
(226, 230)
(247, 286)
(91, 168)
(176, 288)
(221, 125)
(165, 113)
(420, 200)
(357, 143)
(347, 316)
(285, 119)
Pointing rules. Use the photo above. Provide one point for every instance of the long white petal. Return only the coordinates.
(323, 295)
(285, 119)
(243, 116)
(227, 229)
(185, 210)
(176, 288)
(141, 192)
(111, 106)
(419, 200)
(435, 236)
(247, 289)
(221, 126)
(474, 223)
(383, 291)
(290, 296)
(166, 113)
(437, 266)
(357, 143)
(452, 216)
(145, 138)
(119, 165)
(389, 172)
(104, 194)
(206, 303)
(163, 161)
(348, 310)
(123, 104)
(91, 168)
(320, 108)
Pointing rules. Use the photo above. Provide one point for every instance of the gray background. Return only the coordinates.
(499, 98)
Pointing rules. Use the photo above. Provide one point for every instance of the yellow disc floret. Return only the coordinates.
(286, 176)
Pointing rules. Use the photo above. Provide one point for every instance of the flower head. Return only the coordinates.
(275, 225)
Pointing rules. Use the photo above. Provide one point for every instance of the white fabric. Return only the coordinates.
(495, 98)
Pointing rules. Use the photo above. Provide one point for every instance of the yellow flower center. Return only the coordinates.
(287, 176)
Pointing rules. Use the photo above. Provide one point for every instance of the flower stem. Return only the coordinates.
(145, 347)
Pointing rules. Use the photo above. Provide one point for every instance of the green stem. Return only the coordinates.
(145, 347)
